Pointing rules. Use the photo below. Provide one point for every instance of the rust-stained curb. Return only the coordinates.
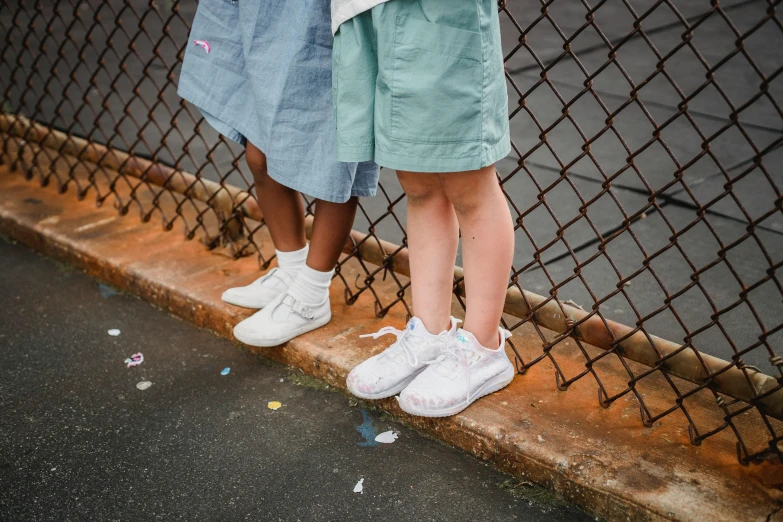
(602, 460)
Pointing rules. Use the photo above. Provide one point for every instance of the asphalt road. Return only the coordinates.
(92, 102)
(79, 441)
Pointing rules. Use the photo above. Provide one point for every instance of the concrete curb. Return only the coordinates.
(602, 460)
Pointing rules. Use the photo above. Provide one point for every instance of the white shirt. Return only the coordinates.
(344, 10)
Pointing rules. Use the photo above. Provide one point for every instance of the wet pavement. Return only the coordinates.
(79, 441)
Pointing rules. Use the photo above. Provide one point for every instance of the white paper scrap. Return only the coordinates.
(387, 437)
(359, 487)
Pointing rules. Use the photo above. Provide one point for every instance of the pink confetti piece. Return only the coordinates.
(134, 360)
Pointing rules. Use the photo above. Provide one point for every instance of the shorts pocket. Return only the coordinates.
(437, 83)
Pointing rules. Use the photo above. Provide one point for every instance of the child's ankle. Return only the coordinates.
(293, 261)
(311, 286)
(489, 340)
(433, 325)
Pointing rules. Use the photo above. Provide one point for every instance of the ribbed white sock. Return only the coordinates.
(292, 262)
(311, 287)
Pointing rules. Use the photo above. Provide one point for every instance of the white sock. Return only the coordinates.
(292, 262)
(311, 287)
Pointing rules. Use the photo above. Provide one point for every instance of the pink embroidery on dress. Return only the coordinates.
(203, 44)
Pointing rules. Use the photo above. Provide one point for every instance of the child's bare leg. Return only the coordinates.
(283, 211)
(433, 237)
(282, 207)
(303, 304)
(332, 224)
(487, 247)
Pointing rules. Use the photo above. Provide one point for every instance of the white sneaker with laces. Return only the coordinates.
(463, 372)
(282, 320)
(387, 373)
(260, 292)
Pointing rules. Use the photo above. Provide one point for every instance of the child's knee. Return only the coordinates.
(471, 192)
(421, 187)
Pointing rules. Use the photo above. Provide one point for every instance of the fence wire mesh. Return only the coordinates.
(644, 182)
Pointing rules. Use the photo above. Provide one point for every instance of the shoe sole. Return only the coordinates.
(250, 340)
(491, 386)
(391, 392)
(245, 303)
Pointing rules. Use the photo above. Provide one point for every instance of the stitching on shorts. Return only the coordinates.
(442, 53)
(336, 44)
(387, 151)
(350, 145)
(479, 13)
(415, 140)
(394, 76)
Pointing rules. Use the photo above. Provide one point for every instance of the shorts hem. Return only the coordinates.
(225, 129)
(349, 154)
(311, 192)
(491, 154)
(498, 151)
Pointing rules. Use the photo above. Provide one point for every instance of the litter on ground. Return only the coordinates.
(143, 385)
(359, 487)
(387, 437)
(106, 291)
(367, 431)
(114, 332)
(225, 371)
(274, 405)
(135, 359)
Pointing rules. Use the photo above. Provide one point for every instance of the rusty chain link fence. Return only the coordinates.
(645, 182)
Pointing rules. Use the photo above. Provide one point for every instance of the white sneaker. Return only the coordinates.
(463, 372)
(282, 320)
(387, 373)
(260, 292)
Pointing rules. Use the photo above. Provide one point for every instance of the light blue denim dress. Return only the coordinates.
(261, 71)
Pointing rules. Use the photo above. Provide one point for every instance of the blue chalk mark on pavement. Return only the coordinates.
(107, 291)
(367, 431)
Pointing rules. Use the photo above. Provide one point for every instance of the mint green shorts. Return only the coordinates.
(419, 85)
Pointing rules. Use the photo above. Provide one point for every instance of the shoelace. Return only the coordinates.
(454, 349)
(403, 339)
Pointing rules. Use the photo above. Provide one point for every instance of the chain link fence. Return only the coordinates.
(644, 180)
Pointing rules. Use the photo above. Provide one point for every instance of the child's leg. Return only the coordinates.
(332, 224)
(282, 207)
(487, 252)
(487, 247)
(433, 236)
(283, 211)
(331, 227)
(304, 305)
